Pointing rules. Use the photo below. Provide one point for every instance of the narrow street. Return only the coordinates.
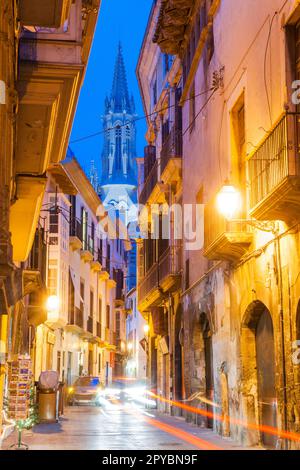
(122, 427)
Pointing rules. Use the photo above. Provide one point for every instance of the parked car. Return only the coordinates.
(85, 390)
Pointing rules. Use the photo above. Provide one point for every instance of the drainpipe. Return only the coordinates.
(281, 315)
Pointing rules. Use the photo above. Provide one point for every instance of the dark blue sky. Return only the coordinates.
(123, 20)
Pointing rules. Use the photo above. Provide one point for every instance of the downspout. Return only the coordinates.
(282, 336)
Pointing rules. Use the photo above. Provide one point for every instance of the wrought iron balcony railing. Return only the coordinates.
(99, 329)
(37, 260)
(76, 317)
(172, 148)
(224, 239)
(162, 274)
(76, 229)
(90, 326)
(274, 171)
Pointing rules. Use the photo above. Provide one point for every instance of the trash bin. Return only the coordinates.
(47, 396)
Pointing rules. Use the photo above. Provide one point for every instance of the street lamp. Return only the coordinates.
(129, 346)
(146, 329)
(229, 201)
(229, 204)
(52, 303)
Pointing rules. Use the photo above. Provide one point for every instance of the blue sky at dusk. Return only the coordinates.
(123, 20)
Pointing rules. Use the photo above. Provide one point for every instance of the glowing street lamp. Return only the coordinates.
(146, 329)
(129, 346)
(229, 201)
(52, 303)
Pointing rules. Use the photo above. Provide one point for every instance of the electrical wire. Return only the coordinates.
(199, 112)
(146, 116)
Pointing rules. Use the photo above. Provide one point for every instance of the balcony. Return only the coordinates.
(107, 335)
(34, 273)
(96, 265)
(36, 311)
(55, 38)
(171, 158)
(50, 14)
(164, 276)
(99, 330)
(75, 321)
(90, 325)
(223, 239)
(75, 238)
(149, 185)
(274, 173)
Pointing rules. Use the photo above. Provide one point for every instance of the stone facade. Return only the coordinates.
(240, 288)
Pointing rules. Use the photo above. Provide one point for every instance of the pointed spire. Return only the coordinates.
(119, 94)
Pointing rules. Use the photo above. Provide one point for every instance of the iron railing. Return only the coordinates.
(169, 264)
(76, 317)
(76, 229)
(90, 325)
(99, 329)
(275, 159)
(172, 148)
(37, 260)
(215, 225)
(149, 185)
(107, 335)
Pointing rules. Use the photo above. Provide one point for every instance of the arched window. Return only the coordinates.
(118, 157)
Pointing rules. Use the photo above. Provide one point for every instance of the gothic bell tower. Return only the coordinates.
(118, 186)
(119, 179)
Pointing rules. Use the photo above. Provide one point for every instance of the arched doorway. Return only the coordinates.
(178, 356)
(208, 358)
(259, 352)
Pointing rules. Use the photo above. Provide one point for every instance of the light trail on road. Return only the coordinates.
(208, 414)
(167, 428)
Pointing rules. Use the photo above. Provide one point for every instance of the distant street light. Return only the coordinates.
(129, 346)
(52, 303)
(146, 329)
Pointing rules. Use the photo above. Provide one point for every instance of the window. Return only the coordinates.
(91, 303)
(118, 325)
(118, 157)
(192, 108)
(239, 142)
(53, 222)
(108, 259)
(92, 238)
(167, 63)
(100, 251)
(107, 316)
(82, 296)
(100, 310)
(154, 92)
(84, 224)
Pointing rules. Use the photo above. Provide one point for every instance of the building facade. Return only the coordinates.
(81, 335)
(240, 282)
(44, 52)
(137, 340)
(160, 249)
